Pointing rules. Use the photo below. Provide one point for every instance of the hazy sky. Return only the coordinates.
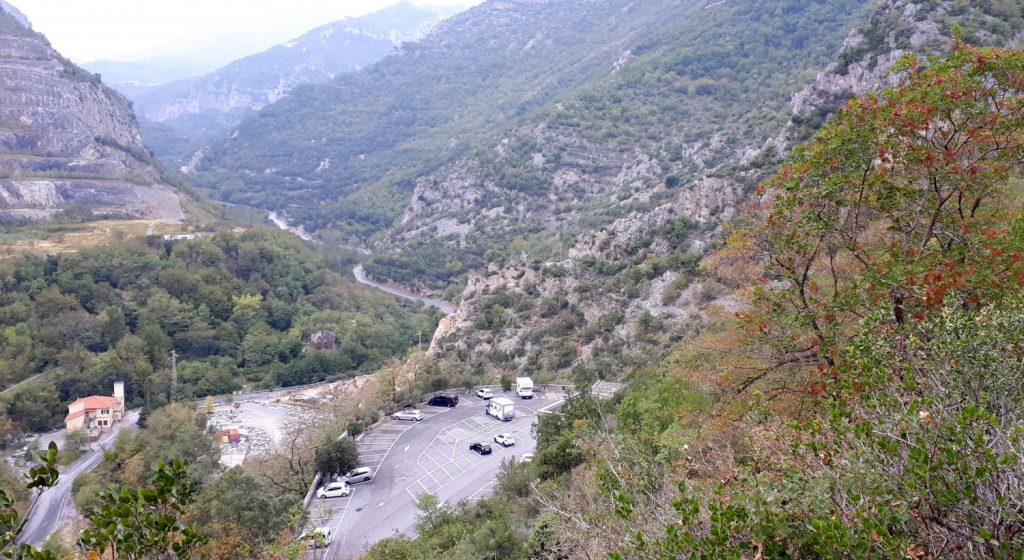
(135, 29)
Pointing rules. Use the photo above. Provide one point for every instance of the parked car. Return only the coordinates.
(319, 537)
(414, 415)
(526, 458)
(485, 393)
(481, 448)
(334, 490)
(505, 440)
(362, 474)
(443, 400)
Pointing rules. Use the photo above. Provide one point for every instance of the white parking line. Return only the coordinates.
(487, 486)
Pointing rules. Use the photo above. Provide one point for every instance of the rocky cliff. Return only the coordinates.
(637, 273)
(67, 142)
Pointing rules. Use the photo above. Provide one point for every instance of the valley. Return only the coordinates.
(750, 274)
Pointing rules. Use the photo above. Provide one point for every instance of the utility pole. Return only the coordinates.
(174, 374)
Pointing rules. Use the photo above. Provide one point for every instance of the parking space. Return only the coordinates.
(329, 512)
(448, 457)
(412, 458)
(374, 446)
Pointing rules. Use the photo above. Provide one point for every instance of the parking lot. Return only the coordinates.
(416, 458)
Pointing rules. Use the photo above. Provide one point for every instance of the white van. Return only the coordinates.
(524, 387)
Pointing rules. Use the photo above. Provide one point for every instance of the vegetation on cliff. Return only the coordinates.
(866, 404)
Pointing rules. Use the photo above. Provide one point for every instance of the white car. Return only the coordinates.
(505, 440)
(334, 490)
(485, 393)
(318, 537)
(414, 415)
(362, 474)
(526, 458)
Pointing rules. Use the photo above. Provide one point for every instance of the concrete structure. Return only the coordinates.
(606, 389)
(96, 413)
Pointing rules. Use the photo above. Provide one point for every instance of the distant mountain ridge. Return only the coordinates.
(67, 142)
(211, 104)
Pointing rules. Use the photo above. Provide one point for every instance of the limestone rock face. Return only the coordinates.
(67, 141)
(322, 340)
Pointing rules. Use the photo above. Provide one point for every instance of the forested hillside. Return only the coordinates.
(556, 303)
(863, 403)
(237, 310)
(601, 75)
(346, 153)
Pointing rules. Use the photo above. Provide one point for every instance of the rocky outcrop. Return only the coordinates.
(612, 281)
(67, 141)
(864, 65)
(321, 340)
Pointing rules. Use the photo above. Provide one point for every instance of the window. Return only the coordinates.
(105, 411)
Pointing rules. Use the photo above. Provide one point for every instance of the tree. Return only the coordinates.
(238, 501)
(114, 326)
(74, 442)
(36, 407)
(177, 432)
(901, 197)
(337, 457)
(147, 522)
(12, 524)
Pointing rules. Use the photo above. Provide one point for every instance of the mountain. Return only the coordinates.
(130, 77)
(564, 165)
(591, 285)
(492, 91)
(67, 142)
(7, 7)
(210, 104)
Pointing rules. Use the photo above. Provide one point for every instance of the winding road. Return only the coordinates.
(444, 306)
(51, 507)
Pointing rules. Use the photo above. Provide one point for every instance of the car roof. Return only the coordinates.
(339, 484)
(361, 469)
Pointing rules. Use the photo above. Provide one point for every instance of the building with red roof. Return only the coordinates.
(96, 413)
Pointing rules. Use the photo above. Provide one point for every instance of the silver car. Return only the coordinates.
(362, 474)
(414, 415)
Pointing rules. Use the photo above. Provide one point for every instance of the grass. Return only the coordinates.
(52, 238)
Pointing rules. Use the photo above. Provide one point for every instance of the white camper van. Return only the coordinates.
(501, 408)
(524, 387)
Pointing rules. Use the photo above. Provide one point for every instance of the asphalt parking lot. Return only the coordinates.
(416, 458)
